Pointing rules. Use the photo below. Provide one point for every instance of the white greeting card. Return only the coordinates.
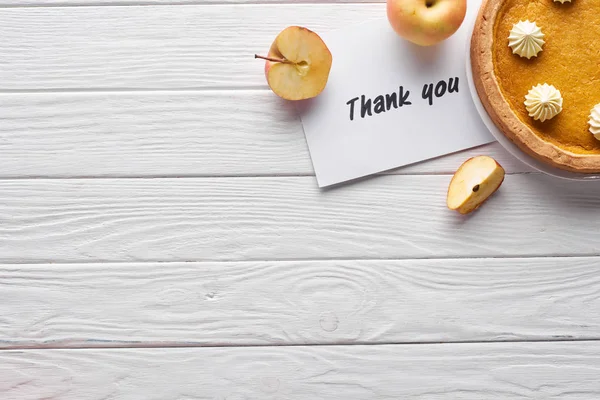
(389, 103)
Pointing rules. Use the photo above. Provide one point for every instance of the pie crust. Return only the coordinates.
(501, 111)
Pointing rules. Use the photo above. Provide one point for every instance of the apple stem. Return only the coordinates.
(281, 60)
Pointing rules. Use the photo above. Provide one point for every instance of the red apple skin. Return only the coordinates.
(426, 22)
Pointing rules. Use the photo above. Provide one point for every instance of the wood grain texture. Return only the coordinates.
(216, 134)
(399, 216)
(169, 134)
(461, 371)
(154, 47)
(30, 3)
(312, 302)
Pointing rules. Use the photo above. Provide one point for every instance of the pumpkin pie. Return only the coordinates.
(536, 68)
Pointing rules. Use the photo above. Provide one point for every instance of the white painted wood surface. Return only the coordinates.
(63, 3)
(309, 302)
(453, 371)
(154, 194)
(184, 46)
(169, 134)
(289, 218)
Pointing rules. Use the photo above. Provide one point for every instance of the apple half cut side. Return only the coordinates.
(298, 64)
(473, 183)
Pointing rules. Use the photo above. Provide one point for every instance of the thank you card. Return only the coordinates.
(389, 103)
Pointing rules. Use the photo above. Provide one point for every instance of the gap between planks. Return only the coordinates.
(240, 176)
(175, 345)
(293, 260)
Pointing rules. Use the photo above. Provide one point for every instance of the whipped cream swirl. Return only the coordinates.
(543, 102)
(526, 39)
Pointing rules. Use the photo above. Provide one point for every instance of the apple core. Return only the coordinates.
(302, 68)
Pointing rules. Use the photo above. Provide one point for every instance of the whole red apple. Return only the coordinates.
(426, 22)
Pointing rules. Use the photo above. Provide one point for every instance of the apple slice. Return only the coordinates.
(473, 183)
(298, 64)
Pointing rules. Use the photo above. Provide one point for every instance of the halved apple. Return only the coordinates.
(298, 64)
(473, 183)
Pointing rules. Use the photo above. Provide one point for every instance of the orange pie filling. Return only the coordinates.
(569, 61)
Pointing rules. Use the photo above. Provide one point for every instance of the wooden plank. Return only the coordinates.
(29, 3)
(181, 46)
(289, 218)
(310, 302)
(458, 371)
(169, 134)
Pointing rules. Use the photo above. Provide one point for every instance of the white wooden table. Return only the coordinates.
(162, 236)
